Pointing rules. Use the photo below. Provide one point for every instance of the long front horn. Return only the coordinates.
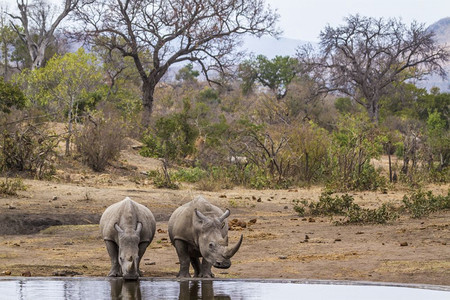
(225, 215)
(232, 251)
(201, 216)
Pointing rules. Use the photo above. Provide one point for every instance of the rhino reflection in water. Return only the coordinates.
(127, 228)
(125, 290)
(190, 291)
(200, 229)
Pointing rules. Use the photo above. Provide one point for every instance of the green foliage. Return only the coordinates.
(187, 74)
(344, 105)
(161, 181)
(11, 186)
(344, 206)
(173, 136)
(10, 96)
(421, 204)
(191, 175)
(355, 142)
(62, 82)
(276, 74)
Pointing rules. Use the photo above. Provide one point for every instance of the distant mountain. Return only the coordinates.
(270, 46)
(441, 30)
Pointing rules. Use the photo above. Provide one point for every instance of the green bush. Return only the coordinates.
(344, 206)
(191, 175)
(11, 186)
(173, 137)
(421, 204)
(161, 181)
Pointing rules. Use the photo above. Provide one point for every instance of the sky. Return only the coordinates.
(304, 19)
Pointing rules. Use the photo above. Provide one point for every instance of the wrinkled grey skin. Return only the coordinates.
(200, 229)
(127, 228)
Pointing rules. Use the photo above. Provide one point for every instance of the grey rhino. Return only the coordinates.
(200, 229)
(127, 228)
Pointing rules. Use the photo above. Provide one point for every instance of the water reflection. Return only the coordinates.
(189, 290)
(125, 289)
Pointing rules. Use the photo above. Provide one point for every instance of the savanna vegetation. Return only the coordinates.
(170, 75)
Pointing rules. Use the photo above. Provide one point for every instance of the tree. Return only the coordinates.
(364, 57)
(276, 74)
(63, 83)
(7, 36)
(39, 26)
(187, 74)
(174, 31)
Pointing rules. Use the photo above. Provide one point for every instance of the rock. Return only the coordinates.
(150, 263)
(253, 198)
(286, 207)
(259, 200)
(64, 273)
(222, 196)
(68, 243)
(161, 230)
(55, 198)
(311, 220)
(337, 240)
(7, 272)
(11, 207)
(26, 274)
(282, 257)
(404, 244)
(306, 237)
(252, 221)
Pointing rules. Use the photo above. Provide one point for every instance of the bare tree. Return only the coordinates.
(174, 31)
(39, 21)
(364, 57)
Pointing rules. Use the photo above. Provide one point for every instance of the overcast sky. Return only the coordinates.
(304, 19)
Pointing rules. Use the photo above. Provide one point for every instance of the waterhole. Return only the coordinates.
(103, 288)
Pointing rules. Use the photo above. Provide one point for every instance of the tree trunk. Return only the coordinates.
(373, 109)
(37, 56)
(148, 91)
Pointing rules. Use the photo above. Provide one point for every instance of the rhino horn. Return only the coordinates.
(232, 251)
(138, 228)
(117, 227)
(201, 216)
(225, 215)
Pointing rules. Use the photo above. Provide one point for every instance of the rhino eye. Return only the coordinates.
(211, 245)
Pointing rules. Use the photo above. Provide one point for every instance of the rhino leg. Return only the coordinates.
(183, 256)
(113, 251)
(142, 247)
(206, 270)
(196, 265)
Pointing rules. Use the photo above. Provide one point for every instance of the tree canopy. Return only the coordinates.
(365, 56)
(173, 31)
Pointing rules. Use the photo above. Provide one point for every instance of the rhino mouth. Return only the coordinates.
(131, 277)
(222, 265)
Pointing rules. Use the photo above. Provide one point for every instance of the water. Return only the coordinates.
(102, 288)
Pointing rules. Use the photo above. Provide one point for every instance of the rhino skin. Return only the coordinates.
(127, 228)
(200, 229)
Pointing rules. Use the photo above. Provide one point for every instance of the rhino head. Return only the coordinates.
(129, 251)
(213, 240)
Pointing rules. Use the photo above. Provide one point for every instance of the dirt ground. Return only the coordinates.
(51, 229)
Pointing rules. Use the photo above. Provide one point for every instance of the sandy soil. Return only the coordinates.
(51, 229)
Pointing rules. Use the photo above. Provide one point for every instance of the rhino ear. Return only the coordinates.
(201, 216)
(138, 228)
(225, 215)
(117, 227)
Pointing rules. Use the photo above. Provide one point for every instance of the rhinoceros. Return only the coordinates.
(127, 228)
(200, 229)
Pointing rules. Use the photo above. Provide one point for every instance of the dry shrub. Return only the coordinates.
(26, 146)
(100, 141)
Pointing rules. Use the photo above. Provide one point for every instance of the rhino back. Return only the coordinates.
(127, 213)
(181, 221)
